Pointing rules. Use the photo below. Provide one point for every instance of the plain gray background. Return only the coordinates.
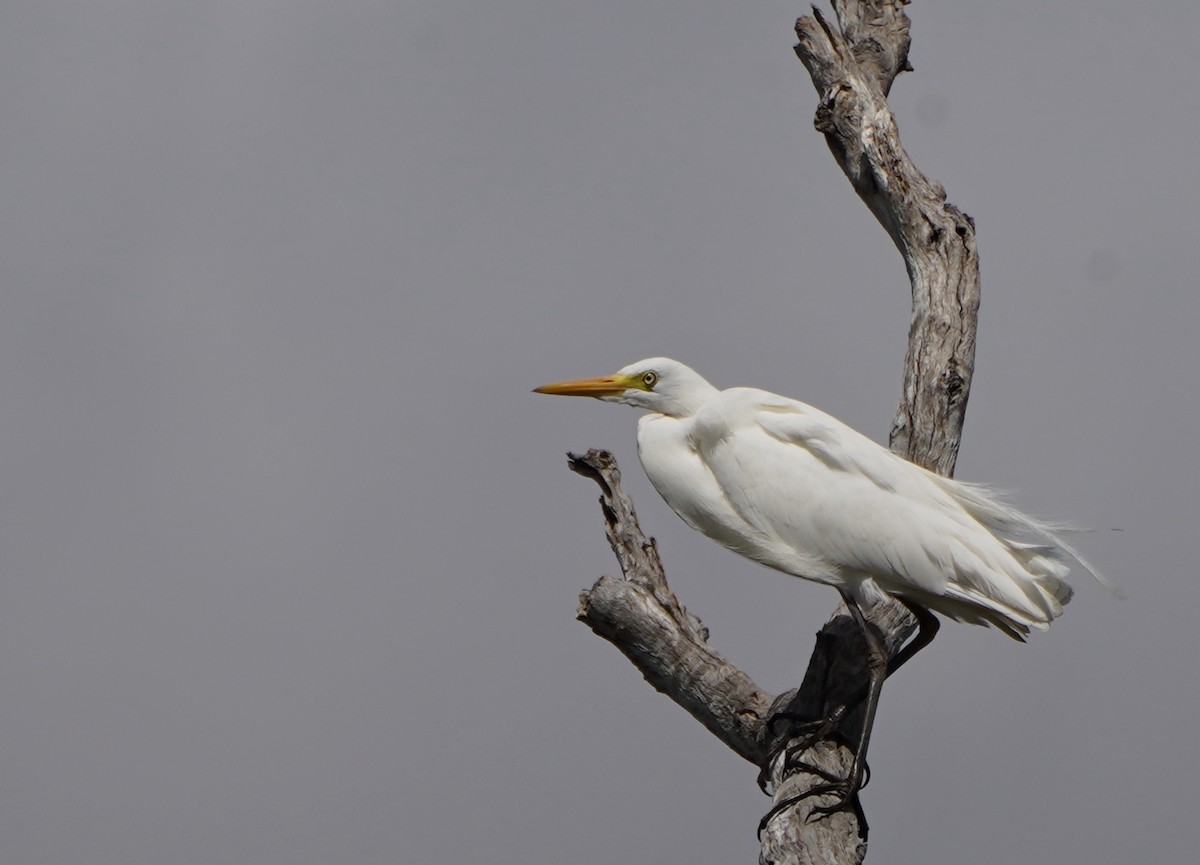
(290, 554)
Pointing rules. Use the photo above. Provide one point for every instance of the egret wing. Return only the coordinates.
(803, 478)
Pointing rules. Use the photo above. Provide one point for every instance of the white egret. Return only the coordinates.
(791, 487)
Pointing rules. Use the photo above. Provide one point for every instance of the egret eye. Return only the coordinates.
(649, 379)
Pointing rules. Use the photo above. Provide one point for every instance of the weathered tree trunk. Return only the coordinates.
(852, 67)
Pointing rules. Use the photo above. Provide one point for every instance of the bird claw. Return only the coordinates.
(807, 730)
(805, 726)
(796, 767)
(845, 789)
(815, 732)
(841, 787)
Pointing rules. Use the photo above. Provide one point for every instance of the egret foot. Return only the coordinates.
(807, 730)
(804, 725)
(846, 790)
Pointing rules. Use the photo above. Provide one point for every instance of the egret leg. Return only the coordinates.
(814, 731)
(877, 672)
(844, 788)
(879, 668)
(927, 628)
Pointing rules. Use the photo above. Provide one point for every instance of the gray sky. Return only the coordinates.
(290, 553)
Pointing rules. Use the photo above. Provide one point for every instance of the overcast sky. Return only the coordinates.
(290, 554)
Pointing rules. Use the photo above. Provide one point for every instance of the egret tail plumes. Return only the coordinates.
(1012, 575)
(989, 508)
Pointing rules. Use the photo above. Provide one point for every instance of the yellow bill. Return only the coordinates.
(609, 385)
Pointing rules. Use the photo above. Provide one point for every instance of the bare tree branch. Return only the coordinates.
(641, 616)
(936, 239)
(852, 66)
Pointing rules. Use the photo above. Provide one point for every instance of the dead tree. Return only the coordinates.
(852, 67)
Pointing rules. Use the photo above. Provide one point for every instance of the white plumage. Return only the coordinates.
(791, 487)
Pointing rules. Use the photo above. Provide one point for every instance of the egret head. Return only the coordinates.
(659, 384)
